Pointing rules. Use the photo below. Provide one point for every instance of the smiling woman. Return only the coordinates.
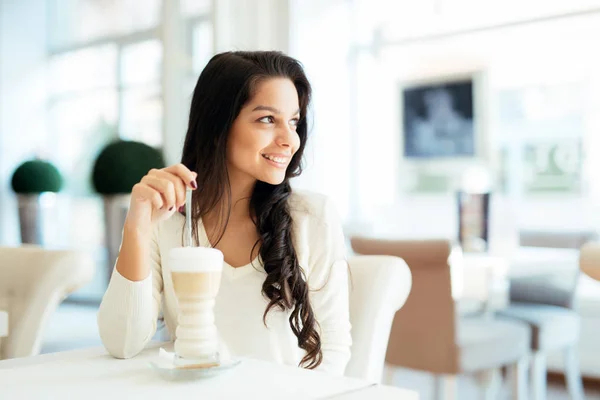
(284, 292)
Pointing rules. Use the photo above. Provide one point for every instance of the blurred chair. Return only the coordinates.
(379, 287)
(545, 303)
(33, 282)
(426, 333)
(589, 260)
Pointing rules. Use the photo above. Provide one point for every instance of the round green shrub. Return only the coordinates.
(36, 176)
(122, 164)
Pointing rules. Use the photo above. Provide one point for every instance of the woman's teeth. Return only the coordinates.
(280, 160)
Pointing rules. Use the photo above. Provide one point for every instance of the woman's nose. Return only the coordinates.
(285, 136)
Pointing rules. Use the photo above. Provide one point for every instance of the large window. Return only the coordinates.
(104, 90)
(79, 22)
(140, 92)
(105, 63)
(83, 110)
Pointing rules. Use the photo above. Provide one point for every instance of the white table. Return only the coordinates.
(479, 282)
(93, 374)
(379, 392)
(482, 281)
(3, 323)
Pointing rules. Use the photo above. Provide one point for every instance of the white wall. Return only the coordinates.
(320, 39)
(544, 53)
(22, 98)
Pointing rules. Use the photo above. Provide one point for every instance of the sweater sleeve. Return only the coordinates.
(328, 282)
(127, 317)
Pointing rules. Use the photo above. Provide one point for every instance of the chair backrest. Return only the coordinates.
(379, 288)
(423, 331)
(589, 260)
(555, 289)
(33, 282)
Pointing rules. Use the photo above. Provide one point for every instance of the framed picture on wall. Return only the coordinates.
(553, 167)
(439, 120)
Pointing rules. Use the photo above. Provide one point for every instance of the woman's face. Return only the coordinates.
(263, 137)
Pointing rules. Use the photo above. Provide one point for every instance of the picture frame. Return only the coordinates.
(446, 165)
(440, 118)
(553, 167)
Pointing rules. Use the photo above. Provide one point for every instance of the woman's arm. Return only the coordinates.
(128, 314)
(329, 281)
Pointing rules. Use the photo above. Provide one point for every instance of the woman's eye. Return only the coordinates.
(267, 120)
(294, 122)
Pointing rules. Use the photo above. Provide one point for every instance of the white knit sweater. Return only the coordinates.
(127, 317)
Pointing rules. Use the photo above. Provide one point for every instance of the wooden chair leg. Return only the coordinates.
(573, 374)
(538, 376)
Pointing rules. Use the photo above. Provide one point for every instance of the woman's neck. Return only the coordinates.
(238, 209)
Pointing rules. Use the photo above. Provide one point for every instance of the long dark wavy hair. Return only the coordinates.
(225, 85)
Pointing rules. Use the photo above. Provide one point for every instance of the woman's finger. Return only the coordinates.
(178, 184)
(187, 176)
(146, 193)
(165, 187)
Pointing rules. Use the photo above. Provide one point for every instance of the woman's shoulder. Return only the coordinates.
(312, 207)
(318, 234)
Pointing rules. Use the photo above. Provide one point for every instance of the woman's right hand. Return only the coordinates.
(158, 196)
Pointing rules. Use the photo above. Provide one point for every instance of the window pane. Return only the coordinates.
(141, 63)
(88, 236)
(81, 126)
(76, 21)
(86, 69)
(202, 45)
(194, 8)
(141, 115)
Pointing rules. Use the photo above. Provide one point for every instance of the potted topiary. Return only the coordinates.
(35, 182)
(118, 167)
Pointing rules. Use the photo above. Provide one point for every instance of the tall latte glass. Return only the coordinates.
(196, 274)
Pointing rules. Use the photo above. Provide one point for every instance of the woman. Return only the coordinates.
(284, 292)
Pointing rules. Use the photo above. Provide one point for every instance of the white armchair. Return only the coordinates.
(33, 282)
(379, 287)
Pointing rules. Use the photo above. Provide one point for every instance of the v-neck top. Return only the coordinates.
(127, 317)
(229, 271)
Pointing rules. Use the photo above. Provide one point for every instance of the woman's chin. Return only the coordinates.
(273, 180)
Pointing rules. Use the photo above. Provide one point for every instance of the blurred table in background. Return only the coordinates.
(481, 281)
(535, 262)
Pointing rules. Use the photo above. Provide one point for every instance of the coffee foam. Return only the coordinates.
(196, 259)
